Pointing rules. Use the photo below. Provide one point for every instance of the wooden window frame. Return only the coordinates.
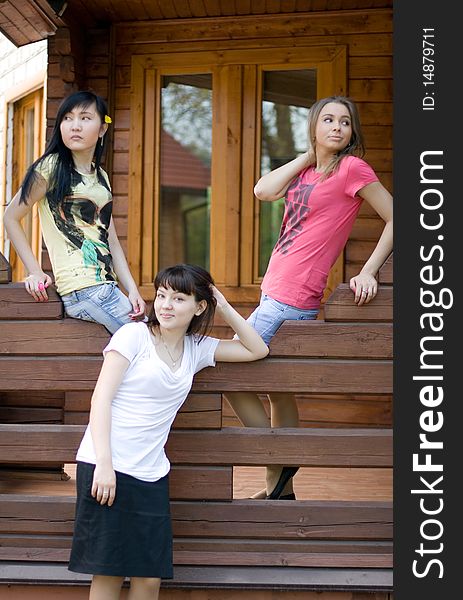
(23, 97)
(236, 98)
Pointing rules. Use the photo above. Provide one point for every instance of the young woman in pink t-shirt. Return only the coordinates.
(323, 190)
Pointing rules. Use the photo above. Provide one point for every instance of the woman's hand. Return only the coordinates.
(104, 484)
(36, 285)
(222, 302)
(138, 305)
(365, 288)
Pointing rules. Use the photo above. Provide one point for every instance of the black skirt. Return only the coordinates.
(131, 538)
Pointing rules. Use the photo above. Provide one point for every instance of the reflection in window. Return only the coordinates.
(186, 143)
(286, 98)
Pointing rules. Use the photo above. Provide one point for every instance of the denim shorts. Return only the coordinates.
(103, 303)
(270, 314)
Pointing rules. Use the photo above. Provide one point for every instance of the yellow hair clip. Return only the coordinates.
(107, 119)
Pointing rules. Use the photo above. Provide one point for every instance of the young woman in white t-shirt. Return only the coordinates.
(122, 527)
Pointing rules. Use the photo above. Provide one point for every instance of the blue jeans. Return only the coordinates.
(103, 303)
(270, 314)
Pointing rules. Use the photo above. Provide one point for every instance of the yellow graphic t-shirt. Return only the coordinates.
(76, 230)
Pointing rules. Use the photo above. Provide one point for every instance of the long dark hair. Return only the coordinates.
(355, 147)
(190, 280)
(59, 185)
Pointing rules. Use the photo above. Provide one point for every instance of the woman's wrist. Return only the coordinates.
(36, 273)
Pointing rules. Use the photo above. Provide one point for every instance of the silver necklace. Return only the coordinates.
(174, 362)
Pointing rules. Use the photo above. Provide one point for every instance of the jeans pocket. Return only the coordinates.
(105, 290)
(279, 306)
(307, 317)
(75, 310)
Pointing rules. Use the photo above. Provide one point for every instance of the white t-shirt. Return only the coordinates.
(147, 401)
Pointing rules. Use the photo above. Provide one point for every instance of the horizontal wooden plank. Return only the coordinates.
(306, 24)
(322, 339)
(232, 446)
(19, 414)
(199, 411)
(340, 306)
(216, 582)
(63, 541)
(303, 375)
(52, 373)
(246, 519)
(331, 410)
(66, 336)
(270, 520)
(186, 482)
(305, 447)
(268, 375)
(16, 303)
(37, 398)
(217, 552)
(201, 482)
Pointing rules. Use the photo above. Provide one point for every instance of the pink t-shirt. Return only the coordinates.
(318, 219)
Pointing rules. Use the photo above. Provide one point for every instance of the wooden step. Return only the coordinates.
(242, 532)
(16, 303)
(214, 583)
(340, 306)
(232, 446)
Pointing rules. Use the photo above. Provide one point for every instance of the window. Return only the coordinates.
(286, 99)
(205, 126)
(25, 144)
(185, 175)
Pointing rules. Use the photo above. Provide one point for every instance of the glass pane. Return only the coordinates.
(186, 144)
(287, 96)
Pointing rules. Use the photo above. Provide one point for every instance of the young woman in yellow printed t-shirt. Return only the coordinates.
(74, 200)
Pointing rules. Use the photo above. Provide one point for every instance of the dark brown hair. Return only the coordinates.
(190, 280)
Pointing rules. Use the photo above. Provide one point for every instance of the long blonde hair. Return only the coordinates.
(355, 146)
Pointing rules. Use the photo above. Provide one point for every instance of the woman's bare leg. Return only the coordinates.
(283, 413)
(144, 588)
(251, 413)
(283, 410)
(105, 588)
(248, 408)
